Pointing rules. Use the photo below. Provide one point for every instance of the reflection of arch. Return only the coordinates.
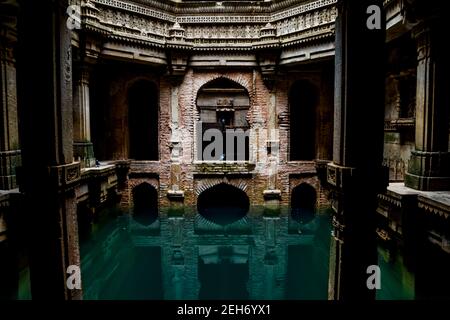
(223, 204)
(145, 199)
(143, 120)
(303, 203)
(303, 100)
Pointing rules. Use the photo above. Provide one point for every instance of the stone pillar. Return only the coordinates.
(356, 172)
(9, 129)
(429, 166)
(83, 147)
(44, 67)
(175, 194)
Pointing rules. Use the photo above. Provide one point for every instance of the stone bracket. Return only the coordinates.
(177, 65)
(65, 176)
(339, 176)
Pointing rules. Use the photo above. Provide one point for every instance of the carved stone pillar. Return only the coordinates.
(49, 174)
(175, 194)
(429, 168)
(9, 130)
(355, 174)
(83, 147)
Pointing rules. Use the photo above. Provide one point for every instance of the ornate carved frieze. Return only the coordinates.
(154, 26)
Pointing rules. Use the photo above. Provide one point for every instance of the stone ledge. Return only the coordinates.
(224, 167)
(175, 194)
(272, 194)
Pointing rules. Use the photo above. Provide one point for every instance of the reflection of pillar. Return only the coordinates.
(177, 282)
(355, 173)
(9, 130)
(269, 281)
(429, 165)
(271, 259)
(83, 148)
(49, 176)
(174, 268)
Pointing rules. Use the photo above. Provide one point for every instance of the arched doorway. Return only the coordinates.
(223, 204)
(303, 203)
(303, 100)
(143, 121)
(223, 106)
(145, 199)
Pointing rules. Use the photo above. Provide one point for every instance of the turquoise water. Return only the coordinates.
(397, 282)
(255, 257)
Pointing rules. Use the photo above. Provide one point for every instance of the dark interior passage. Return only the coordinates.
(223, 106)
(303, 100)
(303, 203)
(145, 199)
(223, 204)
(143, 121)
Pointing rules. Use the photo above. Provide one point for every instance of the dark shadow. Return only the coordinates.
(303, 100)
(143, 121)
(223, 204)
(145, 198)
(303, 203)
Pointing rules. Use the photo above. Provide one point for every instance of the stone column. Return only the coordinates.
(429, 166)
(176, 193)
(356, 172)
(83, 147)
(9, 130)
(49, 174)
(272, 195)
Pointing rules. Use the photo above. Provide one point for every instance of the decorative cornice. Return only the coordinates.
(137, 23)
(139, 9)
(390, 199)
(434, 207)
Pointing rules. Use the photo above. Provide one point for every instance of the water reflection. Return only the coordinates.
(397, 282)
(253, 257)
